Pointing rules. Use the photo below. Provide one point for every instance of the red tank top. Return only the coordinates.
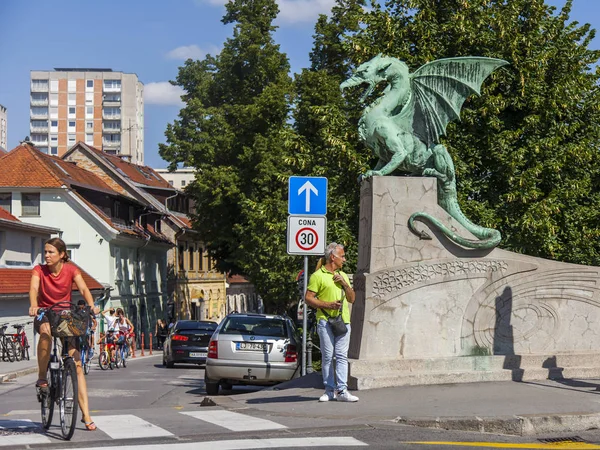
(54, 289)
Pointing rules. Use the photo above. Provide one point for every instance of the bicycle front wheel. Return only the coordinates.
(9, 346)
(118, 358)
(103, 360)
(124, 357)
(25, 349)
(68, 399)
(86, 366)
(18, 350)
(47, 400)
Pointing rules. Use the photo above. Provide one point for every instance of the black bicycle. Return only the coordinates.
(7, 345)
(62, 389)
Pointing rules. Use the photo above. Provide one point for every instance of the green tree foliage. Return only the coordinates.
(326, 124)
(234, 129)
(526, 151)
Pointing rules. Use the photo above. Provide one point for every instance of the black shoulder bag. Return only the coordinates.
(338, 327)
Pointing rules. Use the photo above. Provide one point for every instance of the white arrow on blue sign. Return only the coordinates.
(307, 196)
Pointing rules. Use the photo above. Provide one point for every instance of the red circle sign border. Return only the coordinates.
(313, 232)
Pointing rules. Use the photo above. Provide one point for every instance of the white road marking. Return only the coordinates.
(23, 439)
(242, 444)
(12, 424)
(106, 393)
(234, 421)
(128, 426)
(22, 412)
(24, 433)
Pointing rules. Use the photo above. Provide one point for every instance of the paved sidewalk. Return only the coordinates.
(517, 408)
(9, 371)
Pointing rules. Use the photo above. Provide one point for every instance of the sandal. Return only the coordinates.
(41, 383)
(90, 426)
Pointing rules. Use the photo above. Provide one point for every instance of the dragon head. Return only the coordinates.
(374, 71)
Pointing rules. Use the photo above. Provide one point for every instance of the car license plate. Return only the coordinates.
(252, 346)
(197, 355)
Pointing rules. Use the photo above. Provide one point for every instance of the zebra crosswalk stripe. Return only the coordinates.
(23, 439)
(22, 432)
(234, 421)
(128, 426)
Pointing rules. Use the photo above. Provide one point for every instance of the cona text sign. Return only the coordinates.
(306, 235)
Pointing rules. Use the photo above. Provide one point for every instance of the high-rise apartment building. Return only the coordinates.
(100, 107)
(3, 129)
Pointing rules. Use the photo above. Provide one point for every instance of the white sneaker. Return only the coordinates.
(346, 397)
(328, 396)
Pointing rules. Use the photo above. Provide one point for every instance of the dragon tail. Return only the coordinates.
(487, 237)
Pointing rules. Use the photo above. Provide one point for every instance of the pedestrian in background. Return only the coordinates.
(329, 291)
(161, 330)
(109, 317)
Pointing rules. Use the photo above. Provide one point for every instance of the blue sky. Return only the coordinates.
(151, 38)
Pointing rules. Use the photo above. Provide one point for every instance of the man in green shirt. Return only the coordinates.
(328, 289)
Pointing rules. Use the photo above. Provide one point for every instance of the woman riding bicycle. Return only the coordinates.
(89, 337)
(50, 284)
(125, 328)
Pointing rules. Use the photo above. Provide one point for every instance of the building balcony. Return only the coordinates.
(39, 88)
(111, 144)
(109, 130)
(110, 100)
(111, 89)
(39, 102)
(111, 116)
(38, 129)
(42, 142)
(38, 115)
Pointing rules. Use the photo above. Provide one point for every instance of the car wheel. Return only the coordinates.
(226, 386)
(170, 364)
(164, 362)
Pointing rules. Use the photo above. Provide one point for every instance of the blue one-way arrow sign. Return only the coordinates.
(307, 196)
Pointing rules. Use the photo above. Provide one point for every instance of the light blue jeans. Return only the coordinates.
(339, 345)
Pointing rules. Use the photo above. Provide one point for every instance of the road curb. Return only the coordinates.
(19, 373)
(523, 425)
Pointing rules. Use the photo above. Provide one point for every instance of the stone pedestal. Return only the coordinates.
(431, 300)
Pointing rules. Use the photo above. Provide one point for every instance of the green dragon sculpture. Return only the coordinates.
(403, 127)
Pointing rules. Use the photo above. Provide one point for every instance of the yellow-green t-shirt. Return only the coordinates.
(321, 283)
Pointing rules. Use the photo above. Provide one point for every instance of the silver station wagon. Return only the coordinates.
(252, 349)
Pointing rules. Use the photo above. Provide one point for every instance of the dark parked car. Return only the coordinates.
(252, 349)
(187, 342)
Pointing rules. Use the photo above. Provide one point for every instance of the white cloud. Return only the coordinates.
(292, 11)
(192, 51)
(297, 11)
(163, 93)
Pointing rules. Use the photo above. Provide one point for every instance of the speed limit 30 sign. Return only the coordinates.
(306, 235)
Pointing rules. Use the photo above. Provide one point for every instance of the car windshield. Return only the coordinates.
(258, 326)
(194, 325)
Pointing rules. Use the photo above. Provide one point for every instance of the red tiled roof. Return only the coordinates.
(27, 167)
(16, 281)
(138, 174)
(4, 214)
(184, 219)
(237, 279)
(134, 230)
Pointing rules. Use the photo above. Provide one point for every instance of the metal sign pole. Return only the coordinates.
(304, 317)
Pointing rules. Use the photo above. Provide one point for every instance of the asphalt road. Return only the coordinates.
(147, 406)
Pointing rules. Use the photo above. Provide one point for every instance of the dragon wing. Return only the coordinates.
(438, 91)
